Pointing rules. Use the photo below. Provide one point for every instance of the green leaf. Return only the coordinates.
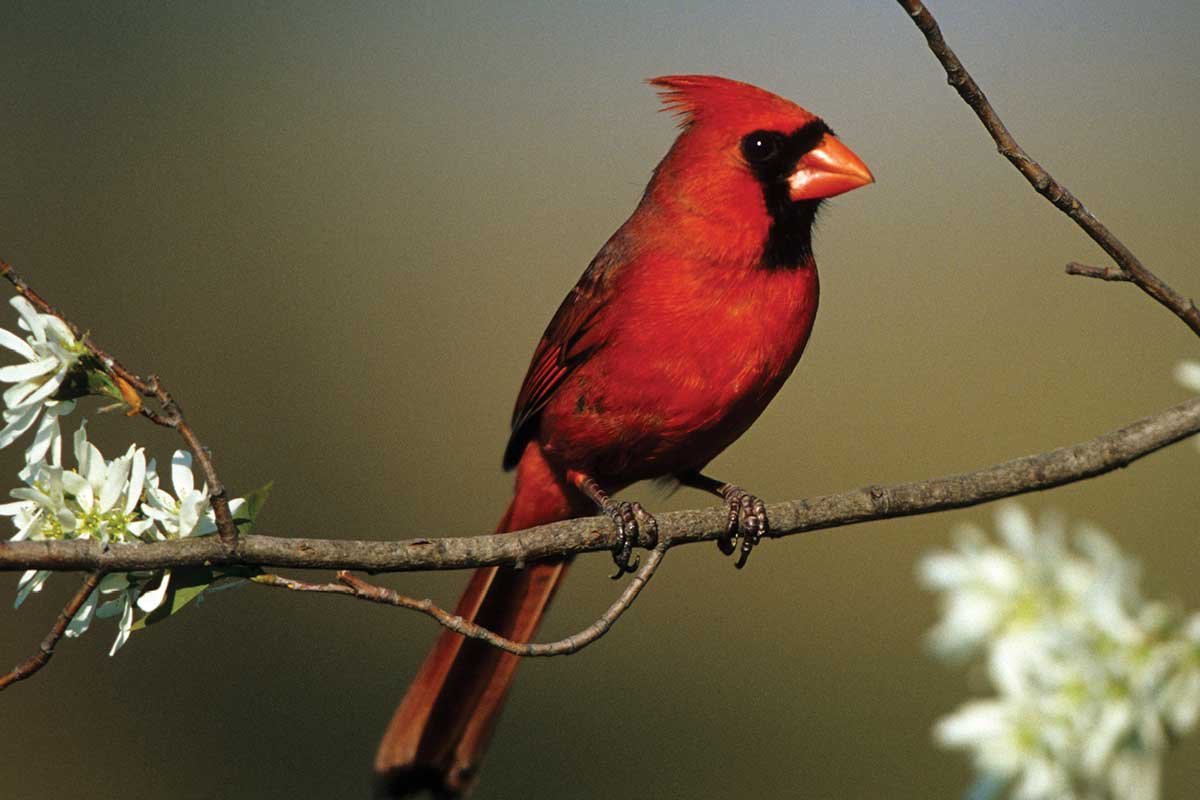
(188, 584)
(99, 383)
(248, 514)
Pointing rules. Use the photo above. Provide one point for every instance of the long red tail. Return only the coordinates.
(438, 735)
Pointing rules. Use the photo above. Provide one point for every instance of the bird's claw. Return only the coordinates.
(747, 518)
(624, 515)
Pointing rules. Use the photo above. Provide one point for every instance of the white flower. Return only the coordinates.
(42, 510)
(1179, 666)
(1135, 776)
(117, 596)
(991, 729)
(98, 500)
(1009, 741)
(1092, 680)
(988, 590)
(124, 594)
(188, 513)
(108, 493)
(118, 500)
(50, 352)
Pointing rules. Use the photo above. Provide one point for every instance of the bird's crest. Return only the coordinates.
(695, 98)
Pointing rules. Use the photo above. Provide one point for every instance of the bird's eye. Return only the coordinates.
(761, 146)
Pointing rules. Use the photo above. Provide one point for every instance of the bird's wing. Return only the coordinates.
(570, 338)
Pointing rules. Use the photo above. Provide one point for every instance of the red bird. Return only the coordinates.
(680, 332)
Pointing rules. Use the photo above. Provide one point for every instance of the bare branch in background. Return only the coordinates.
(1041, 180)
(1100, 273)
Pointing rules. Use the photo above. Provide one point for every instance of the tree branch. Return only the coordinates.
(170, 414)
(1018, 476)
(45, 651)
(351, 586)
(1041, 180)
(1031, 473)
(1100, 273)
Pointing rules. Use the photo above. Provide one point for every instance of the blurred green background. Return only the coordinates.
(336, 231)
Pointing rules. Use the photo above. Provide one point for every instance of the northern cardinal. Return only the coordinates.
(682, 329)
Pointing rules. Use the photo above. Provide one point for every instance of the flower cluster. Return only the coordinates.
(118, 500)
(1093, 681)
(110, 501)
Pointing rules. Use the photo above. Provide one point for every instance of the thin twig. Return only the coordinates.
(169, 415)
(45, 650)
(1101, 273)
(350, 586)
(1040, 179)
(41, 304)
(1028, 474)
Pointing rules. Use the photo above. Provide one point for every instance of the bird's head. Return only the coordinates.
(752, 163)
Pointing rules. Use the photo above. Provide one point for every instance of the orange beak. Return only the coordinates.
(829, 169)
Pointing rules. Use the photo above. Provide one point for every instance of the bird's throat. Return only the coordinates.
(788, 244)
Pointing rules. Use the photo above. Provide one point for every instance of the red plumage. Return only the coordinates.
(675, 339)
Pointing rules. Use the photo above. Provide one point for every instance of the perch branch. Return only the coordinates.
(1043, 182)
(1028, 474)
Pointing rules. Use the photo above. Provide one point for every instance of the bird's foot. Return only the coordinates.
(747, 518)
(625, 516)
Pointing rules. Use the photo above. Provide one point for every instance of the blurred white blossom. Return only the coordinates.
(110, 501)
(49, 351)
(1188, 374)
(1092, 679)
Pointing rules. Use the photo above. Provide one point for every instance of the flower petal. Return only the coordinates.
(31, 581)
(18, 425)
(58, 330)
(83, 617)
(47, 389)
(154, 598)
(11, 509)
(126, 626)
(16, 344)
(31, 319)
(190, 509)
(15, 373)
(181, 473)
(137, 480)
(47, 432)
(115, 481)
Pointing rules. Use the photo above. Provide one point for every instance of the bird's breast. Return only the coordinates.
(695, 356)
